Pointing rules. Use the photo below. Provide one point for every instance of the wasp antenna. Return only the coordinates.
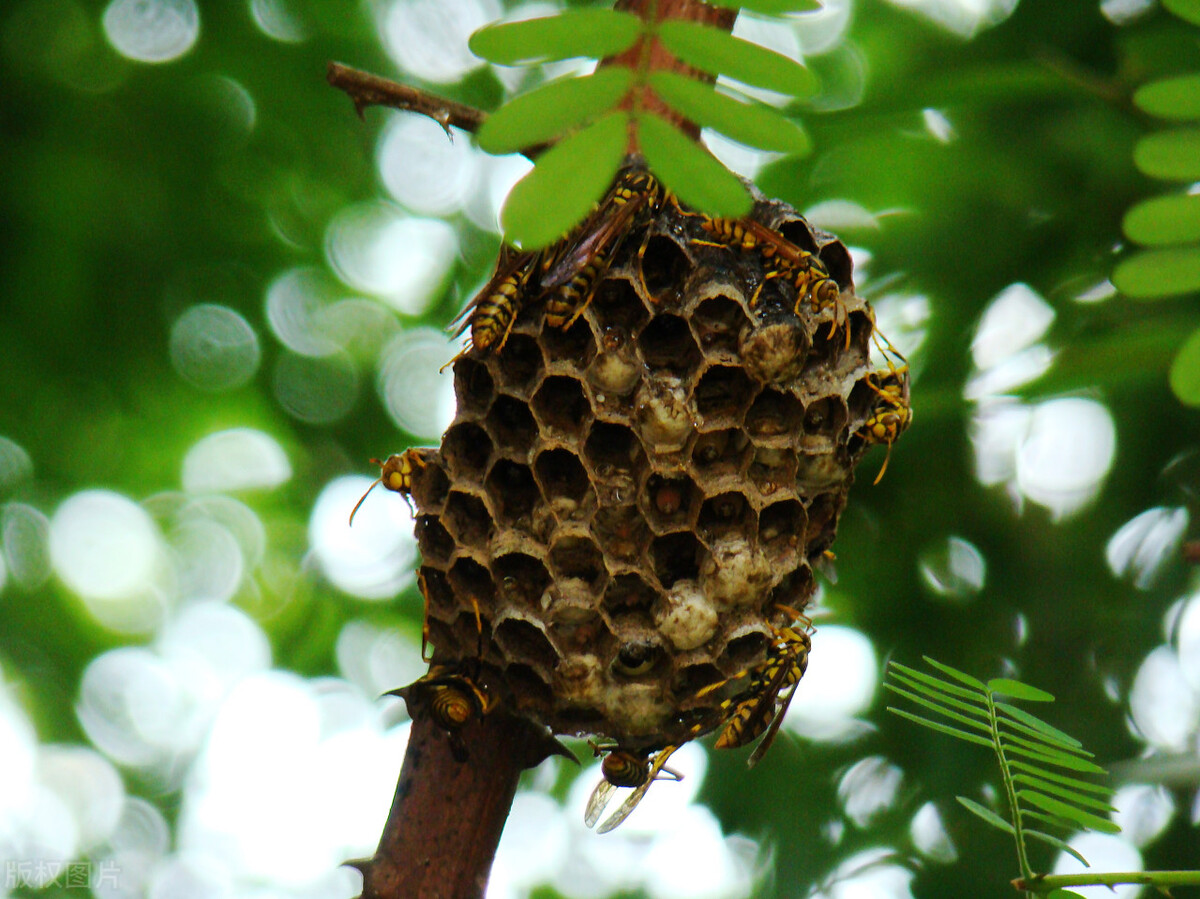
(365, 495)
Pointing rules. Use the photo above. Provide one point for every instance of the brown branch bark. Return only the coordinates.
(366, 90)
(447, 816)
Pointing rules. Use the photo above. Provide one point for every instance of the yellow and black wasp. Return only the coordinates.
(491, 315)
(891, 412)
(572, 274)
(626, 768)
(396, 474)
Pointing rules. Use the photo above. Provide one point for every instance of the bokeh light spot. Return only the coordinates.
(104, 546)
(295, 304)
(1144, 811)
(1163, 706)
(1146, 544)
(423, 169)
(26, 533)
(90, 788)
(15, 465)
(237, 459)
(214, 348)
(1066, 453)
(277, 20)
(1106, 853)
(152, 30)
(953, 568)
(962, 17)
(839, 684)
(868, 789)
(377, 659)
(1014, 320)
(316, 390)
(428, 38)
(418, 397)
(929, 835)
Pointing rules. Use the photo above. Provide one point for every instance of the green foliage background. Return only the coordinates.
(115, 178)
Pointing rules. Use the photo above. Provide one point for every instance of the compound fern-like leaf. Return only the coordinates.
(719, 53)
(590, 33)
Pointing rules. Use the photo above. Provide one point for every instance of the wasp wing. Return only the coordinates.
(631, 801)
(510, 262)
(769, 737)
(604, 231)
(597, 802)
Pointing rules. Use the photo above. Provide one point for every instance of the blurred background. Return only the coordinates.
(221, 293)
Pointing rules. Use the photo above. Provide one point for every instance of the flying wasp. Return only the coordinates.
(891, 412)
(396, 474)
(626, 768)
(573, 273)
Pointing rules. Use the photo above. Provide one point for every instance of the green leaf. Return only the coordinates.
(984, 726)
(942, 728)
(1070, 812)
(754, 124)
(1165, 220)
(1049, 820)
(960, 676)
(986, 814)
(690, 170)
(1054, 789)
(979, 696)
(594, 33)
(1063, 761)
(552, 109)
(1170, 154)
(1185, 371)
(1171, 98)
(1063, 779)
(1066, 894)
(718, 53)
(1057, 844)
(769, 7)
(565, 183)
(1040, 745)
(1035, 723)
(937, 696)
(1018, 690)
(1152, 274)
(1189, 10)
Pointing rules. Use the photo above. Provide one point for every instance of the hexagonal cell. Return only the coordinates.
(471, 633)
(430, 486)
(667, 342)
(524, 642)
(473, 386)
(576, 343)
(616, 369)
(772, 469)
(773, 414)
(722, 395)
(577, 626)
(617, 305)
(467, 518)
(823, 514)
(578, 556)
(793, 592)
(663, 419)
(664, 266)
(775, 353)
(612, 447)
(435, 587)
(691, 679)
(442, 641)
(676, 557)
(719, 453)
(522, 366)
(743, 651)
(434, 540)
(782, 527)
(669, 502)
(528, 690)
(797, 231)
(726, 514)
(512, 424)
(826, 417)
(629, 596)
(513, 493)
(820, 471)
(561, 407)
(638, 659)
(717, 322)
(466, 448)
(471, 580)
(622, 531)
(522, 579)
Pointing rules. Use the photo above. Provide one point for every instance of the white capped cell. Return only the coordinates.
(316, 390)
(212, 347)
(237, 459)
(418, 396)
(1163, 706)
(374, 559)
(838, 685)
(26, 536)
(425, 170)
(868, 789)
(104, 546)
(1066, 454)
(152, 30)
(1144, 545)
(428, 38)
(1014, 320)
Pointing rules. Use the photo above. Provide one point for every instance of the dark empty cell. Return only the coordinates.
(430, 486)
(522, 579)
(522, 641)
(466, 449)
(610, 446)
(561, 474)
(744, 651)
(628, 594)
(435, 588)
(472, 386)
(723, 392)
(793, 592)
(669, 501)
(774, 413)
(836, 259)
(781, 523)
(823, 352)
(561, 406)
(724, 514)
(861, 326)
(676, 557)
(579, 719)
(471, 581)
(772, 469)
(520, 363)
(617, 306)
(527, 688)
(637, 659)
(513, 492)
(667, 342)
(798, 232)
(664, 266)
(435, 541)
(467, 519)
(578, 557)
(826, 417)
(512, 424)
(694, 678)
(718, 321)
(621, 530)
(575, 343)
(719, 452)
(823, 514)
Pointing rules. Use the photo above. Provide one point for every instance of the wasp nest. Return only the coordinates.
(625, 510)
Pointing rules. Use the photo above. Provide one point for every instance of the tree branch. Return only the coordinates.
(366, 90)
